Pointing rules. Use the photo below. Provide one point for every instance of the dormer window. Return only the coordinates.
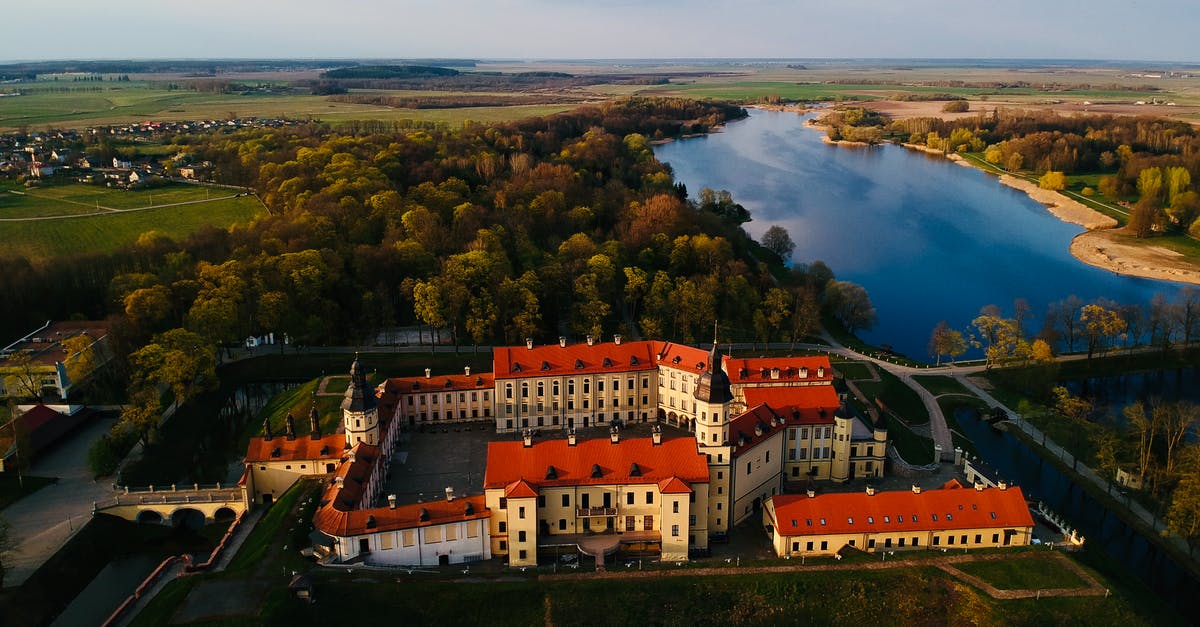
(516, 368)
(545, 365)
(551, 473)
(633, 361)
(677, 359)
(579, 364)
(634, 470)
(607, 363)
(596, 472)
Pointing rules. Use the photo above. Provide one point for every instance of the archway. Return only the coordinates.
(224, 514)
(149, 517)
(187, 518)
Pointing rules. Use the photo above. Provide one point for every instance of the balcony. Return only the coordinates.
(595, 512)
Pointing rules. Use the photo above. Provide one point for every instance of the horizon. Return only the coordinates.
(614, 29)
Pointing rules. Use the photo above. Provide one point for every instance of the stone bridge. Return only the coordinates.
(192, 506)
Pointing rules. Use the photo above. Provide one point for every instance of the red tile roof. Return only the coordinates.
(520, 489)
(573, 465)
(339, 523)
(799, 405)
(302, 448)
(898, 511)
(673, 486)
(438, 383)
(510, 362)
(753, 427)
(45, 344)
(42, 426)
(681, 357)
(750, 371)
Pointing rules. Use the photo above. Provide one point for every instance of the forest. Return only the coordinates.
(565, 225)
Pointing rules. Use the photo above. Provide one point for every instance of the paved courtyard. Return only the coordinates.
(429, 461)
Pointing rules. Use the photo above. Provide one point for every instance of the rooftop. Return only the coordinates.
(45, 344)
(594, 462)
(509, 362)
(765, 370)
(950, 507)
(279, 448)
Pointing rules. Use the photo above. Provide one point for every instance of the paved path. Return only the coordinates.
(945, 563)
(43, 521)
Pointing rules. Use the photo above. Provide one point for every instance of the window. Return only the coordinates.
(824, 545)
(503, 527)
(937, 540)
(900, 542)
(541, 388)
(674, 507)
(433, 535)
(473, 529)
(520, 536)
(747, 467)
(508, 391)
(768, 460)
(649, 498)
(629, 498)
(524, 390)
(571, 386)
(963, 539)
(408, 537)
(503, 545)
(822, 522)
(522, 553)
(692, 520)
(451, 532)
(675, 531)
(916, 541)
(850, 520)
(648, 523)
(554, 388)
(978, 538)
(995, 538)
(871, 543)
(566, 500)
(950, 540)
(887, 543)
(521, 512)
(599, 386)
(808, 546)
(562, 524)
(503, 503)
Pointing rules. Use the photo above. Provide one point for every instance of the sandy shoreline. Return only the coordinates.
(1105, 249)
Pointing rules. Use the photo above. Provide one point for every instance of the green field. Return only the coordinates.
(135, 102)
(81, 199)
(109, 231)
(1024, 574)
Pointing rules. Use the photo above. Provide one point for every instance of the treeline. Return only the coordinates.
(388, 71)
(999, 85)
(1147, 161)
(496, 232)
(452, 102)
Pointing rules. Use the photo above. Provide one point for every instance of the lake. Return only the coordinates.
(930, 240)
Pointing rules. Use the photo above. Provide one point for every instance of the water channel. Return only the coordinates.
(930, 240)
(1042, 481)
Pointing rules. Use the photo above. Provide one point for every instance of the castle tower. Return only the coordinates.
(360, 411)
(713, 396)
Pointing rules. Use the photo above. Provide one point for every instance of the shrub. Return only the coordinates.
(956, 106)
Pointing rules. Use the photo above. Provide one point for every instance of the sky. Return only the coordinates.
(1162, 30)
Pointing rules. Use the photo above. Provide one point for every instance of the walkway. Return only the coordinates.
(42, 522)
(945, 563)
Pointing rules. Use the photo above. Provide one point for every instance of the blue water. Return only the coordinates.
(929, 239)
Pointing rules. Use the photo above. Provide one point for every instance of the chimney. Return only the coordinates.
(1002, 484)
(614, 435)
(591, 340)
(775, 374)
(466, 371)
(391, 501)
(529, 343)
(571, 436)
(870, 490)
(527, 437)
(916, 489)
(449, 493)
(803, 372)
(428, 372)
(979, 486)
(617, 339)
(656, 435)
(562, 342)
(812, 494)
(339, 481)
(820, 372)
(267, 430)
(958, 456)
(290, 424)
(314, 424)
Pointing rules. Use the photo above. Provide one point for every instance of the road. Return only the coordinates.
(42, 522)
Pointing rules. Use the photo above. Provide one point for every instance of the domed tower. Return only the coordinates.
(360, 411)
(713, 396)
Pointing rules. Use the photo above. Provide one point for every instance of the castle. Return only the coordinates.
(728, 436)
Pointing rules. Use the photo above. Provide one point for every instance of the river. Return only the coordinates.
(930, 240)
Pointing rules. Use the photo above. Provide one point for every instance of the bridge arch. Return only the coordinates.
(187, 517)
(149, 517)
(224, 514)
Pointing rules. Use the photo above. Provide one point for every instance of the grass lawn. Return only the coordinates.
(853, 370)
(1030, 573)
(951, 404)
(69, 198)
(897, 396)
(108, 232)
(915, 449)
(941, 385)
(12, 490)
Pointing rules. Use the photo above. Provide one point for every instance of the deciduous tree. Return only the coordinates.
(850, 305)
(777, 240)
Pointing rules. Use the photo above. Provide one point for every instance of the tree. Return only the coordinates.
(1146, 430)
(179, 360)
(1074, 409)
(80, 358)
(1053, 181)
(5, 546)
(1099, 324)
(1176, 420)
(946, 341)
(1187, 314)
(849, 304)
(807, 317)
(774, 310)
(148, 307)
(1041, 351)
(777, 240)
(23, 379)
(1183, 516)
(1001, 340)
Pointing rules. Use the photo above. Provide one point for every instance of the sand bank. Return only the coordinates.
(1112, 251)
